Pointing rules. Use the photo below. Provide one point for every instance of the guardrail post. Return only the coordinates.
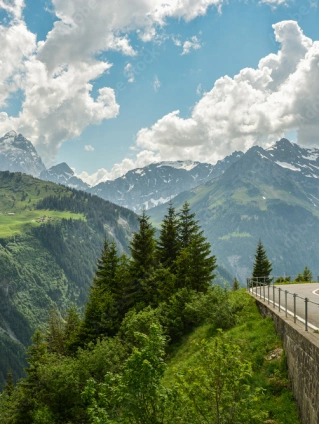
(295, 308)
(273, 296)
(268, 293)
(264, 292)
(279, 298)
(286, 307)
(306, 314)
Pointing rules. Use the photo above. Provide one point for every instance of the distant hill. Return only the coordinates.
(50, 239)
(269, 194)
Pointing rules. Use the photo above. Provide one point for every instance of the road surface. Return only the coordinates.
(303, 291)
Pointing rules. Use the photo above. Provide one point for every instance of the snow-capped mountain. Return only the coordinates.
(291, 156)
(160, 182)
(63, 174)
(17, 154)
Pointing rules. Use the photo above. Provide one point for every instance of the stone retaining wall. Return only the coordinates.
(302, 352)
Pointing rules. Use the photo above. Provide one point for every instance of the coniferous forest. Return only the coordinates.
(108, 365)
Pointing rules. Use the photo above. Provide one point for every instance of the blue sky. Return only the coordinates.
(228, 40)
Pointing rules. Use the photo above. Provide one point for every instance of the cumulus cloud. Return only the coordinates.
(17, 44)
(89, 148)
(255, 107)
(56, 75)
(13, 7)
(192, 44)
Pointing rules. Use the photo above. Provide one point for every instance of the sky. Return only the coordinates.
(109, 86)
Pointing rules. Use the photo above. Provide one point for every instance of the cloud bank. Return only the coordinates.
(257, 106)
(55, 76)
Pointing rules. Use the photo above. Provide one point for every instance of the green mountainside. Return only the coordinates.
(50, 239)
(256, 198)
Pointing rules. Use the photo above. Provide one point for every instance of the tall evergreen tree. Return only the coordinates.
(142, 249)
(187, 226)
(195, 265)
(99, 312)
(262, 266)
(168, 244)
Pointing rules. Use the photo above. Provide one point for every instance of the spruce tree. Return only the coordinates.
(142, 250)
(262, 266)
(307, 275)
(187, 226)
(236, 285)
(194, 264)
(168, 244)
(99, 316)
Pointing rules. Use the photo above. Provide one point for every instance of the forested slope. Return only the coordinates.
(50, 238)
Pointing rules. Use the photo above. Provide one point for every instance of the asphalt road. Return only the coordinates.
(302, 290)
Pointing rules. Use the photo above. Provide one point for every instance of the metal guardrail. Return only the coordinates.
(261, 289)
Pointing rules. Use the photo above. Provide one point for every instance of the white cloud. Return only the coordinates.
(156, 84)
(274, 3)
(89, 148)
(56, 74)
(13, 7)
(17, 44)
(129, 72)
(176, 41)
(142, 159)
(192, 44)
(255, 107)
(199, 90)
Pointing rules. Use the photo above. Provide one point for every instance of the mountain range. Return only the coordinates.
(272, 194)
(269, 194)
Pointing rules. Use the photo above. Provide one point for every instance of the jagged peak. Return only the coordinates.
(11, 133)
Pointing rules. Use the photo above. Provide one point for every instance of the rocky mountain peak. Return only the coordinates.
(17, 154)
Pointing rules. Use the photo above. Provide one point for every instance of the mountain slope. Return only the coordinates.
(63, 174)
(17, 154)
(48, 253)
(259, 198)
(159, 182)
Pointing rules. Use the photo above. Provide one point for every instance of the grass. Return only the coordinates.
(24, 220)
(229, 236)
(260, 344)
(19, 194)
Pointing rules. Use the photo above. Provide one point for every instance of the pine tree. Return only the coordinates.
(106, 268)
(9, 384)
(194, 264)
(307, 275)
(187, 226)
(99, 317)
(168, 244)
(142, 249)
(262, 266)
(236, 285)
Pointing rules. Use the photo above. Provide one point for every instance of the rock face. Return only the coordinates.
(63, 174)
(158, 183)
(17, 154)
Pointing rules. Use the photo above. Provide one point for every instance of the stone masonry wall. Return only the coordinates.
(302, 352)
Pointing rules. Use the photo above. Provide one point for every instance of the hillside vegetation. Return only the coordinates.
(158, 343)
(48, 252)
